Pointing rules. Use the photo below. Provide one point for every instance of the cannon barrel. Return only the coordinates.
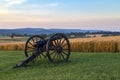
(44, 42)
(40, 43)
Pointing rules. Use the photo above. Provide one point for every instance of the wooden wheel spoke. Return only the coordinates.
(64, 45)
(52, 48)
(30, 47)
(57, 57)
(62, 42)
(36, 39)
(59, 41)
(64, 53)
(31, 44)
(54, 56)
(60, 56)
(39, 56)
(55, 43)
(30, 51)
(63, 56)
(42, 54)
(52, 52)
(33, 61)
(33, 40)
(65, 49)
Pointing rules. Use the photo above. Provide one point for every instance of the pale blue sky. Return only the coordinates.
(79, 14)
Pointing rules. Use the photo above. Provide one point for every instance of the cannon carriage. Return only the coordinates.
(56, 49)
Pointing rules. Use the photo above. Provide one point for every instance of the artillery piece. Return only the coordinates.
(57, 49)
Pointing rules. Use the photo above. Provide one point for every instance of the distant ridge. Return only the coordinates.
(33, 31)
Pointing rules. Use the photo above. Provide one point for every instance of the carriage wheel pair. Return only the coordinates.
(57, 47)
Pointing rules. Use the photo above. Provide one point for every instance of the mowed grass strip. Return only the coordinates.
(82, 66)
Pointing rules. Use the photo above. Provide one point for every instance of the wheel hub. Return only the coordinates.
(59, 49)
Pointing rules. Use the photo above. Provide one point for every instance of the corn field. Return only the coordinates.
(102, 44)
(96, 46)
(12, 47)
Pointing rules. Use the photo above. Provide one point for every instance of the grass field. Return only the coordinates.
(82, 66)
(8, 40)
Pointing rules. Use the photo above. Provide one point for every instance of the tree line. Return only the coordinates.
(69, 35)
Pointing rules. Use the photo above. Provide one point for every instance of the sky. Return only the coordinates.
(66, 14)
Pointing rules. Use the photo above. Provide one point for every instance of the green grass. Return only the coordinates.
(82, 66)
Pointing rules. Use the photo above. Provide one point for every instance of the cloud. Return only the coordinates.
(53, 4)
(26, 4)
(41, 6)
(14, 2)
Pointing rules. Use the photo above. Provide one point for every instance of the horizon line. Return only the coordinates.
(59, 28)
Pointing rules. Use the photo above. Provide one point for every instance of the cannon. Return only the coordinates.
(57, 49)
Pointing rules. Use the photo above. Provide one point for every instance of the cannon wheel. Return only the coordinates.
(29, 46)
(58, 48)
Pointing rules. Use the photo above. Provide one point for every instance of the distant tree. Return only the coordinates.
(44, 35)
(12, 35)
(3, 34)
(7, 35)
(25, 35)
